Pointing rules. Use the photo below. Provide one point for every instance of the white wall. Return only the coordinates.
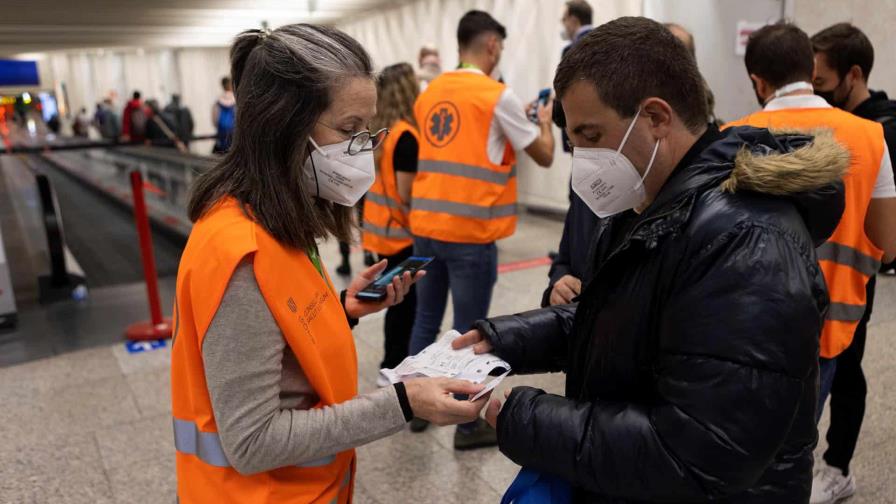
(531, 54)
(714, 26)
(874, 17)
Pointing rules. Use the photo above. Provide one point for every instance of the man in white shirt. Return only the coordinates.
(463, 197)
(781, 63)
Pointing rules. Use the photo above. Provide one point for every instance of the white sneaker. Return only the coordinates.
(830, 486)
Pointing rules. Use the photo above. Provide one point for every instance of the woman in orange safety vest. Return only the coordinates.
(386, 207)
(264, 380)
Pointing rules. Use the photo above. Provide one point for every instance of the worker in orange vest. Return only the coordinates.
(844, 57)
(781, 63)
(264, 373)
(464, 195)
(386, 230)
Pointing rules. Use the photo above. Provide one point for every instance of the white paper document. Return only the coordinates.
(439, 360)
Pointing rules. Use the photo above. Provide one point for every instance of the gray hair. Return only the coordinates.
(283, 82)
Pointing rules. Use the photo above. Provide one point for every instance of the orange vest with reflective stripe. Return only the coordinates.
(312, 322)
(848, 259)
(459, 195)
(386, 227)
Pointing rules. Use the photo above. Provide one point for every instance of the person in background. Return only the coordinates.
(843, 60)
(98, 114)
(107, 121)
(577, 21)
(430, 64)
(181, 119)
(687, 38)
(160, 129)
(264, 375)
(134, 120)
(568, 264)
(223, 117)
(464, 195)
(54, 124)
(781, 63)
(81, 125)
(386, 230)
(690, 356)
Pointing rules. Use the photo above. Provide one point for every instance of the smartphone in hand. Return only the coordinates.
(543, 97)
(376, 291)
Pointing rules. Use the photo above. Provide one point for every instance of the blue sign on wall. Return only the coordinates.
(18, 73)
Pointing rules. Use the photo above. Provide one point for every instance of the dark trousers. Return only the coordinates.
(848, 395)
(399, 318)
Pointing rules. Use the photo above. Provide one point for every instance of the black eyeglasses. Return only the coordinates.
(363, 141)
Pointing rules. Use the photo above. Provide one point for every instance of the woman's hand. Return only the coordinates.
(472, 337)
(395, 292)
(432, 399)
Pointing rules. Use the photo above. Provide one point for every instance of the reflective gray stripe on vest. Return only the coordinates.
(205, 445)
(844, 312)
(848, 256)
(382, 200)
(392, 232)
(466, 171)
(463, 209)
(189, 440)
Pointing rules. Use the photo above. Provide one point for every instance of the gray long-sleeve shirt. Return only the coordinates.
(262, 400)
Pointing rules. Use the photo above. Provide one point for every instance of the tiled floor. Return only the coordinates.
(94, 426)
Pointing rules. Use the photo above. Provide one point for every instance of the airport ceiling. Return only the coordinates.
(45, 25)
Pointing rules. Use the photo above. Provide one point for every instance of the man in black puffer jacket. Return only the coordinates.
(691, 353)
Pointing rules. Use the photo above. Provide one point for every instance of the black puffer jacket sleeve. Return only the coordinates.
(733, 355)
(535, 341)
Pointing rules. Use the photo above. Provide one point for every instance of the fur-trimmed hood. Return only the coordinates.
(806, 168)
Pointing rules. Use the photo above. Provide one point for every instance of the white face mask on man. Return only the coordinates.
(338, 176)
(606, 180)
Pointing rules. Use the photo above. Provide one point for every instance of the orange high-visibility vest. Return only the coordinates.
(386, 227)
(459, 195)
(848, 259)
(313, 323)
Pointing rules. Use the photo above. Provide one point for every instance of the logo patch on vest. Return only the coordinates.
(310, 312)
(442, 124)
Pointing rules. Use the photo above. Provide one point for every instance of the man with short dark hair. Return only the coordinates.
(691, 352)
(781, 63)
(463, 197)
(843, 60)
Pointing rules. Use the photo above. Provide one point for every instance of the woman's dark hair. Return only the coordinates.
(283, 81)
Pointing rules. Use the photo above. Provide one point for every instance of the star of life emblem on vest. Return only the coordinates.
(442, 124)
